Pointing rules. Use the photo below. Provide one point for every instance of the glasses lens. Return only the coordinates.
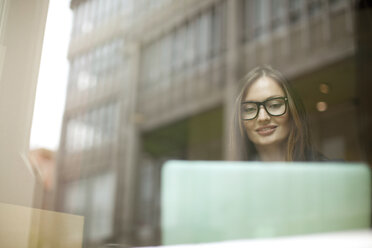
(249, 110)
(275, 106)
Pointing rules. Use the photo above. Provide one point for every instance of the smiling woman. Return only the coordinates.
(270, 122)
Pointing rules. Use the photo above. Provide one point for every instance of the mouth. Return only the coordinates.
(266, 130)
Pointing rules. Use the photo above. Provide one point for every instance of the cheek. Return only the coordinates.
(249, 130)
(284, 122)
(248, 126)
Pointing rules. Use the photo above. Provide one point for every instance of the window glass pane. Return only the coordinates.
(278, 13)
(69, 137)
(87, 24)
(127, 5)
(89, 130)
(295, 10)
(76, 134)
(205, 32)
(180, 47)
(167, 54)
(174, 50)
(216, 30)
(249, 19)
(190, 44)
(74, 197)
(96, 129)
(102, 205)
(198, 38)
(314, 7)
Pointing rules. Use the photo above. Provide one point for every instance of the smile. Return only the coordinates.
(266, 130)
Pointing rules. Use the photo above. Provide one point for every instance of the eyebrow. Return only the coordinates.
(269, 98)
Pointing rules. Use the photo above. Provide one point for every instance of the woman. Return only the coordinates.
(270, 122)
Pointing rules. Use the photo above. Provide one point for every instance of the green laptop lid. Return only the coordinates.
(206, 201)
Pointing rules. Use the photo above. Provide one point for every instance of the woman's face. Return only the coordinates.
(266, 130)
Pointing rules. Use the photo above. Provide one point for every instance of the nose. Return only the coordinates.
(262, 114)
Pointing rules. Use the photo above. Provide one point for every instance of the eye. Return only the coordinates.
(249, 108)
(275, 104)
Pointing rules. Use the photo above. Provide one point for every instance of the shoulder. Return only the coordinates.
(316, 156)
(320, 157)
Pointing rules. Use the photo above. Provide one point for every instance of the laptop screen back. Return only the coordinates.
(206, 201)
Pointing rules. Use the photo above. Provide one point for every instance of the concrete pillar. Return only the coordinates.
(128, 153)
(233, 34)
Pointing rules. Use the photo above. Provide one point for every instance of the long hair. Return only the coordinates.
(298, 144)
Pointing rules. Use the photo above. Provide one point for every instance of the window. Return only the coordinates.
(145, 66)
(295, 7)
(126, 6)
(89, 140)
(166, 54)
(198, 38)
(260, 17)
(87, 24)
(217, 31)
(249, 19)
(74, 197)
(205, 35)
(98, 67)
(102, 206)
(77, 133)
(179, 46)
(314, 8)
(93, 128)
(175, 51)
(85, 78)
(190, 43)
(277, 13)
(78, 20)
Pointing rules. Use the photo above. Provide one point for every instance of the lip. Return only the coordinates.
(266, 130)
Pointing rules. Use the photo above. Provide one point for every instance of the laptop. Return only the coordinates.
(211, 201)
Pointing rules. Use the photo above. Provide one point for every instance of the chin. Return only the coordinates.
(269, 141)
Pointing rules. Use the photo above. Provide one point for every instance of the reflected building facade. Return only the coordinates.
(155, 80)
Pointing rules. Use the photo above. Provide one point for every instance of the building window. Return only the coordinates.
(249, 19)
(166, 56)
(295, 7)
(217, 29)
(190, 43)
(76, 134)
(261, 18)
(256, 18)
(91, 14)
(277, 13)
(179, 44)
(74, 197)
(87, 24)
(94, 198)
(178, 51)
(314, 8)
(126, 6)
(93, 128)
(205, 35)
(102, 206)
(100, 66)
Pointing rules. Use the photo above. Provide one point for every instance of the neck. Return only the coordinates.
(271, 153)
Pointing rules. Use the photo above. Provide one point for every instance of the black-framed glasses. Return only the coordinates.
(275, 106)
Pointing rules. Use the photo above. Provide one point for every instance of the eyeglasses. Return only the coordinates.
(275, 106)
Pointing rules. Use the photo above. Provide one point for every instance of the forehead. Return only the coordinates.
(262, 89)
